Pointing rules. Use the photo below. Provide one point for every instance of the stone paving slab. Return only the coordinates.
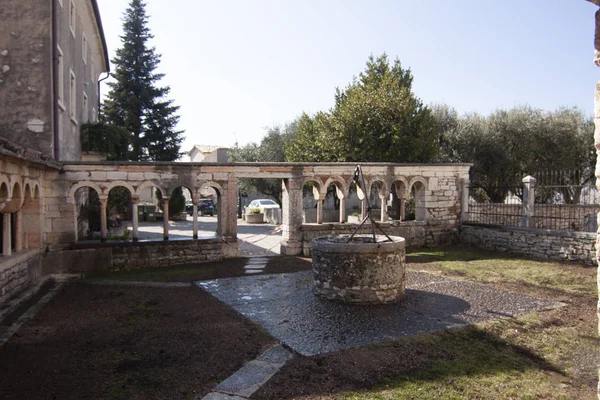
(284, 305)
(221, 396)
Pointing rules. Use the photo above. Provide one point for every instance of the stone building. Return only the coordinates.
(205, 153)
(52, 54)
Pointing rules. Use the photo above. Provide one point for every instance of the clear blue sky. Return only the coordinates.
(237, 67)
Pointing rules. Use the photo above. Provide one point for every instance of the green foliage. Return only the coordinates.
(135, 102)
(271, 149)
(255, 211)
(376, 118)
(508, 144)
(105, 138)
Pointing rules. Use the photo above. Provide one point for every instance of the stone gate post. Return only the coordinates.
(528, 201)
(291, 241)
(464, 203)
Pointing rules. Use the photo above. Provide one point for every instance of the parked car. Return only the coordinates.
(205, 207)
(262, 204)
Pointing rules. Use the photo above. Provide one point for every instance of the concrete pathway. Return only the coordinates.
(248, 379)
(255, 240)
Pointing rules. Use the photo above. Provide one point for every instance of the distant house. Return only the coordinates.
(205, 153)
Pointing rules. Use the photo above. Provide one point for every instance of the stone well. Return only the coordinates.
(360, 271)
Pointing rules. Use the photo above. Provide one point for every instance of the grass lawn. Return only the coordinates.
(547, 355)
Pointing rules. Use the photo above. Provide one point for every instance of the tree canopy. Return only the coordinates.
(135, 101)
(508, 144)
(375, 118)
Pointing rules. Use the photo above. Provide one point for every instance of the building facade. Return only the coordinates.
(52, 55)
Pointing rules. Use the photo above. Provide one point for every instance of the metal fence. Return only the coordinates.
(556, 200)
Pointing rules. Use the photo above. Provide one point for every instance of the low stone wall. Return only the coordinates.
(18, 272)
(88, 257)
(416, 233)
(538, 243)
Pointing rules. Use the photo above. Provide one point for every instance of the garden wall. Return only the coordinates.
(88, 257)
(538, 243)
(18, 272)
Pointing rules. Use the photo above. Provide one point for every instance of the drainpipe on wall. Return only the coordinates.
(99, 100)
(55, 125)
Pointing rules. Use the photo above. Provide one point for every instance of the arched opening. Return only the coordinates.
(378, 201)
(356, 205)
(415, 205)
(180, 212)
(310, 203)
(119, 213)
(87, 209)
(396, 210)
(334, 205)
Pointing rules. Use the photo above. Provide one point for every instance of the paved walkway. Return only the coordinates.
(284, 305)
(255, 240)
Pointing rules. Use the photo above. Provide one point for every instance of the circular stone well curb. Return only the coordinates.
(360, 271)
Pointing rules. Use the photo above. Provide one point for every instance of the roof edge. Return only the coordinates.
(101, 30)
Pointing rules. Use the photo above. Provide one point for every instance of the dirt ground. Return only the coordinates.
(120, 342)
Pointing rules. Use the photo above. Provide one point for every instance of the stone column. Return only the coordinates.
(320, 210)
(384, 212)
(291, 240)
(103, 229)
(464, 200)
(165, 202)
(342, 210)
(597, 144)
(6, 244)
(402, 209)
(195, 218)
(135, 221)
(228, 211)
(18, 231)
(528, 202)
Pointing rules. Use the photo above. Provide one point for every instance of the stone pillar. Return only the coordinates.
(195, 218)
(384, 212)
(402, 209)
(6, 244)
(363, 208)
(165, 203)
(135, 219)
(228, 211)
(320, 210)
(18, 231)
(103, 229)
(291, 240)
(342, 210)
(528, 202)
(464, 200)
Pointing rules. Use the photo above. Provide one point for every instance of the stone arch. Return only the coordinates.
(399, 193)
(30, 216)
(148, 184)
(418, 179)
(416, 190)
(15, 199)
(77, 186)
(4, 189)
(401, 187)
(383, 187)
(319, 190)
(115, 184)
(340, 184)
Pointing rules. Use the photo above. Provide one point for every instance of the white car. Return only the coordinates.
(262, 204)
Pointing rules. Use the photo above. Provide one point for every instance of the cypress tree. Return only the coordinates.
(135, 101)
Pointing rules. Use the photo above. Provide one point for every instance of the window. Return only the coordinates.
(94, 116)
(85, 107)
(73, 96)
(60, 2)
(84, 48)
(72, 17)
(60, 72)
